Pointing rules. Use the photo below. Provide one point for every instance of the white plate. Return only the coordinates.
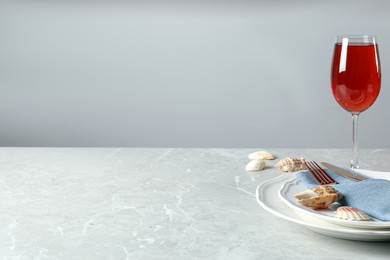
(267, 196)
(293, 186)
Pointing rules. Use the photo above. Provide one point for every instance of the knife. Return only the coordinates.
(350, 174)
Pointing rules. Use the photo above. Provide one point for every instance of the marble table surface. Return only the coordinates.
(127, 203)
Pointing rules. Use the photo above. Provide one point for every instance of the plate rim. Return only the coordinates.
(342, 222)
(319, 226)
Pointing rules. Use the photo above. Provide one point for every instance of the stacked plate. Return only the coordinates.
(277, 197)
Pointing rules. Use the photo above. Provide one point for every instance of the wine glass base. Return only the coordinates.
(354, 165)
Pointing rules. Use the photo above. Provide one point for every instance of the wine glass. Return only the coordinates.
(355, 78)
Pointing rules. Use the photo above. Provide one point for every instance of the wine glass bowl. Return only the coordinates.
(355, 77)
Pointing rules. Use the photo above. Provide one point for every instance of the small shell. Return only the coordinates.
(350, 213)
(290, 164)
(263, 155)
(255, 165)
(319, 197)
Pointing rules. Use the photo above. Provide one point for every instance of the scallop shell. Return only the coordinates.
(263, 155)
(319, 197)
(290, 164)
(255, 165)
(350, 213)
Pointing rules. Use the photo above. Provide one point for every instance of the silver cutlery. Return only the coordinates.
(350, 174)
(319, 174)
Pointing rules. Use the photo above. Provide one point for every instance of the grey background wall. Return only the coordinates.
(183, 73)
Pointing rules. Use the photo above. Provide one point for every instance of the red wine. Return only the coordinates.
(356, 76)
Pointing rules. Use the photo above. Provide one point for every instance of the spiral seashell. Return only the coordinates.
(290, 164)
(350, 213)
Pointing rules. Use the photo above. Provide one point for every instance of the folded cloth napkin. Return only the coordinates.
(371, 195)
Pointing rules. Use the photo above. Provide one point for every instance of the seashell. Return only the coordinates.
(290, 164)
(263, 155)
(319, 197)
(318, 191)
(255, 165)
(350, 213)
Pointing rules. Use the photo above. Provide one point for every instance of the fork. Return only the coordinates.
(319, 174)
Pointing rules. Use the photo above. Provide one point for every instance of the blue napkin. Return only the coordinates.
(371, 196)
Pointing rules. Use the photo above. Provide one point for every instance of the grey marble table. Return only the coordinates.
(107, 203)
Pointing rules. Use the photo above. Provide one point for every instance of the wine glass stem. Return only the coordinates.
(354, 161)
